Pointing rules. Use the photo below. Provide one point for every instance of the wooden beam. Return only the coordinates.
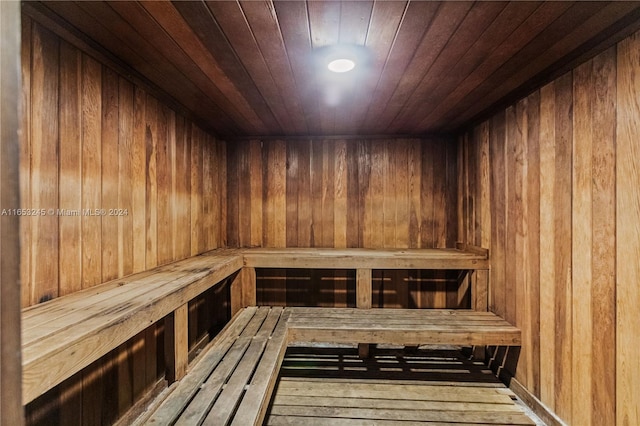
(354, 258)
(363, 301)
(243, 290)
(11, 412)
(248, 286)
(363, 288)
(176, 343)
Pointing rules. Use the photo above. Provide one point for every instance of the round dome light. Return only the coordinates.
(341, 65)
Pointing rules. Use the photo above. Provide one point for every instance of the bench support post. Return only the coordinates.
(176, 344)
(480, 302)
(363, 301)
(243, 289)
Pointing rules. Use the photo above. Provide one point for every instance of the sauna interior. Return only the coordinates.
(176, 176)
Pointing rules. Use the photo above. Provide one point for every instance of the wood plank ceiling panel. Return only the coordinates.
(103, 25)
(249, 68)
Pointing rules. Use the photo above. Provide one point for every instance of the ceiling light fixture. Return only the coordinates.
(341, 65)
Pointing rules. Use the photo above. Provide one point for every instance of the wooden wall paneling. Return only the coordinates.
(627, 233)
(255, 176)
(151, 201)
(414, 183)
(546, 241)
(139, 180)
(163, 181)
(125, 181)
(327, 284)
(354, 207)
(520, 215)
(374, 236)
(328, 193)
(438, 154)
(11, 412)
(510, 222)
(364, 158)
(603, 292)
(317, 195)
(137, 366)
(124, 382)
(233, 185)
(44, 163)
(110, 172)
(533, 241)
(275, 204)
(70, 199)
(25, 159)
(389, 194)
(209, 174)
(70, 399)
(93, 392)
(197, 239)
(244, 196)
(222, 191)
(304, 197)
(462, 188)
(91, 171)
(183, 189)
(292, 193)
(402, 202)
(562, 246)
(123, 358)
(340, 194)
(582, 244)
(451, 173)
(497, 152)
(427, 194)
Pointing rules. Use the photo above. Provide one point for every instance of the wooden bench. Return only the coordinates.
(410, 327)
(66, 334)
(62, 336)
(463, 257)
(234, 379)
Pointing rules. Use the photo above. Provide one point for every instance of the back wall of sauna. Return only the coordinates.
(94, 138)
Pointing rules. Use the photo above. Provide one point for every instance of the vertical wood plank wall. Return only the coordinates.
(93, 140)
(112, 146)
(10, 366)
(342, 193)
(550, 184)
(377, 193)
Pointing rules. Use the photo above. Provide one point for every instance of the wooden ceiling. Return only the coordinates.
(247, 69)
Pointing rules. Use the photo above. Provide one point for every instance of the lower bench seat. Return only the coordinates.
(62, 336)
(401, 327)
(233, 381)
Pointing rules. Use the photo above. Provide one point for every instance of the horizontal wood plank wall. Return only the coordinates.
(562, 180)
(397, 193)
(93, 140)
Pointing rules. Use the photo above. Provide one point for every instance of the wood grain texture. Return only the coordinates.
(560, 193)
(100, 133)
(627, 232)
(327, 193)
(11, 412)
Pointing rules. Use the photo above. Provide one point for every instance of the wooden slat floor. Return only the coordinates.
(332, 386)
